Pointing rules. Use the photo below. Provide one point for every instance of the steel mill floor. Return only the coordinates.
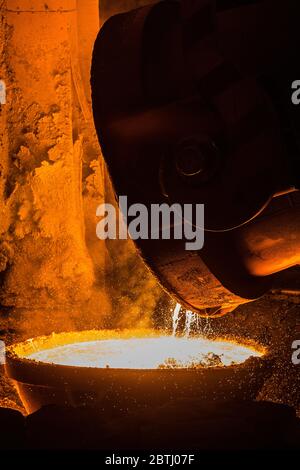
(184, 424)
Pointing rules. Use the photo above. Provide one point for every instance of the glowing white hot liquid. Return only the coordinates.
(146, 353)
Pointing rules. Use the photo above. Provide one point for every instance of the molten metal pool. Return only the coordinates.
(147, 353)
(131, 369)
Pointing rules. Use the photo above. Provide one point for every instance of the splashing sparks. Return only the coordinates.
(141, 349)
(147, 353)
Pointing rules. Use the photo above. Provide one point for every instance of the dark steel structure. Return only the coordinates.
(192, 104)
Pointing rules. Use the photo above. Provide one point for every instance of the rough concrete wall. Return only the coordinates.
(55, 274)
(45, 262)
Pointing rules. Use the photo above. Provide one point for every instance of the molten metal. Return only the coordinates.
(147, 353)
(132, 369)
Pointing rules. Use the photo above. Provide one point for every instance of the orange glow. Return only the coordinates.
(136, 350)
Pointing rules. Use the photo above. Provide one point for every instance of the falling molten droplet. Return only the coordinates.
(175, 318)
